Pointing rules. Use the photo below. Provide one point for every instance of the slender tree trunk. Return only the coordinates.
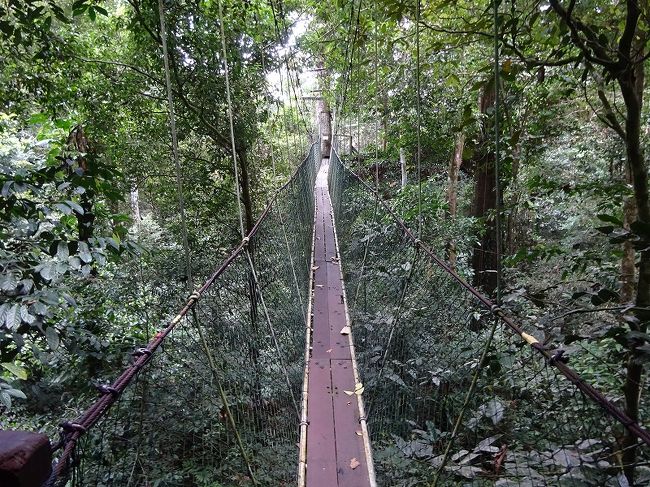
(135, 203)
(452, 192)
(402, 166)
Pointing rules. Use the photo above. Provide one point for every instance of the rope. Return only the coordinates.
(497, 162)
(272, 331)
(224, 53)
(293, 267)
(284, 231)
(224, 398)
(592, 393)
(419, 114)
(376, 99)
(73, 431)
(396, 318)
(468, 396)
(350, 64)
(285, 61)
(177, 164)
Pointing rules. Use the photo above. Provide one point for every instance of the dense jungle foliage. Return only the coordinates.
(92, 250)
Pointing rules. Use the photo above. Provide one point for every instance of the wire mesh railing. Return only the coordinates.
(456, 392)
(213, 398)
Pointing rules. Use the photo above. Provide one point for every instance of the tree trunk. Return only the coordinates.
(135, 203)
(86, 219)
(325, 124)
(484, 259)
(452, 192)
(631, 83)
(402, 166)
(515, 226)
(628, 268)
(324, 113)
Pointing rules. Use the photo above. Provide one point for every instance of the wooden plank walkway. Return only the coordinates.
(337, 445)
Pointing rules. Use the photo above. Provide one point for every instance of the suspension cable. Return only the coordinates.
(280, 213)
(376, 62)
(290, 84)
(274, 336)
(497, 161)
(230, 119)
(177, 164)
(351, 60)
(419, 114)
(468, 397)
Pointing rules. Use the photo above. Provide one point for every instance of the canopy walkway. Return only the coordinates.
(271, 375)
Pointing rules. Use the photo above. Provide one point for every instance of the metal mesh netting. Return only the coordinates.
(454, 396)
(242, 341)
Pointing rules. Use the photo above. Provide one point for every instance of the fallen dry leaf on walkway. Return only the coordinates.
(358, 389)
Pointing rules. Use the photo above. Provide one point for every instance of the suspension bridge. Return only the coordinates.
(333, 348)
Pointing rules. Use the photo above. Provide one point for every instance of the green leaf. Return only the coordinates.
(25, 316)
(75, 263)
(610, 219)
(52, 338)
(62, 251)
(19, 372)
(65, 209)
(75, 206)
(4, 309)
(8, 281)
(46, 270)
(12, 320)
(37, 118)
(84, 252)
(47, 23)
(16, 393)
(5, 399)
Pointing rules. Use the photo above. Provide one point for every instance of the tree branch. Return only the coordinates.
(625, 44)
(610, 115)
(138, 13)
(592, 49)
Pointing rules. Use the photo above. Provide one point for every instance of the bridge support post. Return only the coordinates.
(25, 459)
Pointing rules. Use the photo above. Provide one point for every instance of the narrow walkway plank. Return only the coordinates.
(336, 442)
